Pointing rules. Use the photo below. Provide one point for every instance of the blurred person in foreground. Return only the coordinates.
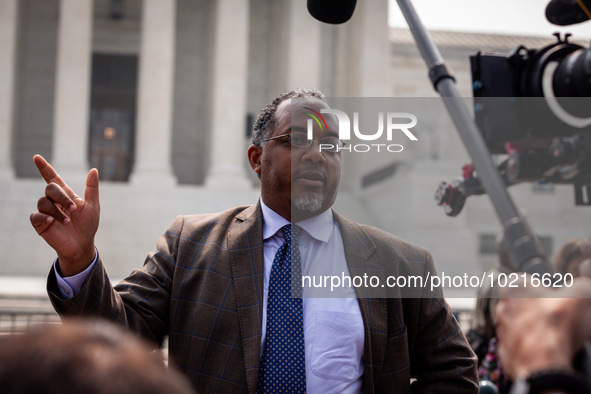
(217, 284)
(84, 356)
(574, 257)
(542, 338)
(482, 336)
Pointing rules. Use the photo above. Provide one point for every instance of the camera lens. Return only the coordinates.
(572, 78)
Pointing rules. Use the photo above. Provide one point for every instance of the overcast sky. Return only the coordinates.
(521, 17)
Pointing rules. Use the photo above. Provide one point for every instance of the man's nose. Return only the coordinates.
(313, 153)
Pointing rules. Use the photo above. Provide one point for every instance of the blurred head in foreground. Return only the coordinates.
(574, 257)
(91, 357)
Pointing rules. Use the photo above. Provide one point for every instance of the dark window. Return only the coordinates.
(379, 175)
(488, 244)
(112, 115)
(542, 187)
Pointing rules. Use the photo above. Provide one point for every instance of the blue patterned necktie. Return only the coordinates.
(283, 364)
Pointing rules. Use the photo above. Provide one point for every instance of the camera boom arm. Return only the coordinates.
(527, 254)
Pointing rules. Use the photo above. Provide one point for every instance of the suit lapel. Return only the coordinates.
(245, 248)
(360, 252)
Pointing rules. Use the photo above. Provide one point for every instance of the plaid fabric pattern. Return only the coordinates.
(203, 287)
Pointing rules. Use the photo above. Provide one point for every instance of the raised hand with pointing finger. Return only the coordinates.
(67, 222)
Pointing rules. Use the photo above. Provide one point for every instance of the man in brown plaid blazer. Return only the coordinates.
(203, 287)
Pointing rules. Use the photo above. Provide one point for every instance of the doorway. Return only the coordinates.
(112, 116)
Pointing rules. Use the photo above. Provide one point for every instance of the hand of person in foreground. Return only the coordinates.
(67, 222)
(545, 332)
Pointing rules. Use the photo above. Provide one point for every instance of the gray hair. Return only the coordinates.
(265, 121)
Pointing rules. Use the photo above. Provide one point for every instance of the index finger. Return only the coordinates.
(50, 175)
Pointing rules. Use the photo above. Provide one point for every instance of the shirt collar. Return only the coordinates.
(318, 227)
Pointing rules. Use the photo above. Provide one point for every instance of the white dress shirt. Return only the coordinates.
(333, 327)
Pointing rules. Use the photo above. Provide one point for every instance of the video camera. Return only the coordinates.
(533, 108)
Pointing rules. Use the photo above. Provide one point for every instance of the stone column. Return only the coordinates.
(373, 54)
(154, 119)
(72, 88)
(363, 52)
(8, 25)
(302, 49)
(229, 84)
(361, 69)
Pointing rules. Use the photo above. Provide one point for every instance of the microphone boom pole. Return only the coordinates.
(526, 252)
(527, 255)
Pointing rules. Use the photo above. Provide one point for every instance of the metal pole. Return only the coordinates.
(526, 252)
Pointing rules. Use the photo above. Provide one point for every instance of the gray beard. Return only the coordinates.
(307, 203)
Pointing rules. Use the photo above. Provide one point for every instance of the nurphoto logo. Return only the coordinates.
(396, 122)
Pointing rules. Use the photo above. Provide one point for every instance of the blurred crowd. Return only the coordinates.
(518, 332)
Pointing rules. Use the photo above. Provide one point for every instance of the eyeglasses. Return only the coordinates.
(300, 140)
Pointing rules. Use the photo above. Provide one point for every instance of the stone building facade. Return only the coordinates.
(160, 97)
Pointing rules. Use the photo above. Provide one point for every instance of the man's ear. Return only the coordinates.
(254, 158)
